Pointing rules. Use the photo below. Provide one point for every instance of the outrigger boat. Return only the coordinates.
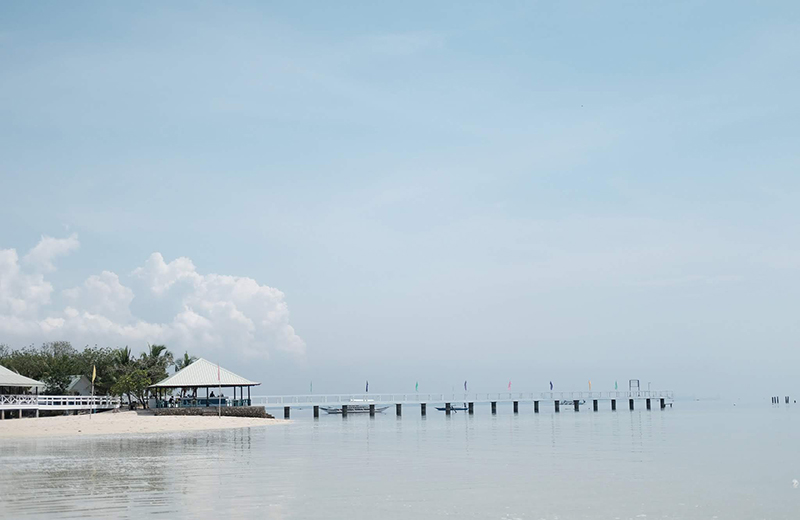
(567, 402)
(453, 408)
(354, 406)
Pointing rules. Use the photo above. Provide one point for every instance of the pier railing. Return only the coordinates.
(58, 402)
(453, 397)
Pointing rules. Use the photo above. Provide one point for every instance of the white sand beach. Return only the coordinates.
(121, 423)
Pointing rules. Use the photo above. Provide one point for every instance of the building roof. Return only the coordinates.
(74, 380)
(11, 378)
(203, 373)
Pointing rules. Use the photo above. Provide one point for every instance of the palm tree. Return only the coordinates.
(187, 360)
(122, 356)
(157, 350)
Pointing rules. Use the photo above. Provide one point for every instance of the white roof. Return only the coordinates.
(203, 373)
(11, 378)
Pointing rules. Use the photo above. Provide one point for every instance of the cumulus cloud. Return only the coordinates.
(215, 312)
(41, 257)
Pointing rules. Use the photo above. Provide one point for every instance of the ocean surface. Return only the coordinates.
(698, 460)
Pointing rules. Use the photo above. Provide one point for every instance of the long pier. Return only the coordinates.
(663, 398)
(55, 403)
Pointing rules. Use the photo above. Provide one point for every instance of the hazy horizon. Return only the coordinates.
(410, 192)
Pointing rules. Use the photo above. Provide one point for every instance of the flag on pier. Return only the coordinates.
(94, 373)
(416, 387)
(509, 385)
(367, 388)
(615, 386)
(465, 386)
(590, 385)
(311, 387)
(551, 386)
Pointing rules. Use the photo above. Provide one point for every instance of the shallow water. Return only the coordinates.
(698, 460)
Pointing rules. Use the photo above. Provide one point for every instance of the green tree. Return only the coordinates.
(133, 383)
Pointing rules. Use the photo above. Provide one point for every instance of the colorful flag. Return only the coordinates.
(94, 373)
(367, 389)
(509, 385)
(551, 386)
(218, 376)
(590, 385)
(465, 386)
(615, 386)
(311, 387)
(416, 387)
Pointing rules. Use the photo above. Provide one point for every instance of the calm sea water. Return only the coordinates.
(698, 460)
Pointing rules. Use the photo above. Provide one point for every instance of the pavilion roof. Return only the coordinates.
(203, 373)
(11, 378)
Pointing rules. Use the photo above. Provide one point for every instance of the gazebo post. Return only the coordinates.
(206, 396)
(248, 396)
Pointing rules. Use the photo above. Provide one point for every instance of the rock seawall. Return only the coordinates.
(228, 411)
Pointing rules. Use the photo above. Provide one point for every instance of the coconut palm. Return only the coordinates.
(184, 362)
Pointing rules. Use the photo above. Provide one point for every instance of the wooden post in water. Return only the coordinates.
(471, 407)
(447, 408)
(316, 411)
(536, 407)
(422, 410)
(663, 404)
(648, 403)
(613, 405)
(557, 406)
(372, 410)
(594, 405)
(494, 407)
(577, 404)
(398, 409)
(516, 406)
(630, 404)
(285, 412)
(344, 410)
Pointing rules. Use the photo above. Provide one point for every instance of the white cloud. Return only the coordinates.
(217, 312)
(48, 249)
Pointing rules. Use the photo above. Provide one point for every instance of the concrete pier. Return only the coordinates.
(422, 409)
(286, 412)
(344, 410)
(398, 408)
(372, 410)
(471, 408)
(613, 405)
(316, 411)
(663, 404)
(447, 408)
(648, 404)
(536, 407)
(594, 405)
(577, 405)
(630, 404)
(558, 405)
(494, 407)
(516, 406)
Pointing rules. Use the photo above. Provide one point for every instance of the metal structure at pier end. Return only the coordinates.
(573, 399)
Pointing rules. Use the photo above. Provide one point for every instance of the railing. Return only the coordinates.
(416, 398)
(58, 402)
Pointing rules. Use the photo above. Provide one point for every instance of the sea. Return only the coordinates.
(696, 460)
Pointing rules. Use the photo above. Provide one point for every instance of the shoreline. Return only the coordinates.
(122, 423)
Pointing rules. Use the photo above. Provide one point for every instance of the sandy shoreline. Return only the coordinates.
(121, 423)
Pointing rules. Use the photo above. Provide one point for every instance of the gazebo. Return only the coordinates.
(203, 374)
(13, 383)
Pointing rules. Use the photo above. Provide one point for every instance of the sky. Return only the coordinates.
(409, 192)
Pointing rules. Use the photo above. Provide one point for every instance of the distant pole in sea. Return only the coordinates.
(219, 394)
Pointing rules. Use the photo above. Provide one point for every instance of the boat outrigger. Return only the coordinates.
(453, 408)
(354, 406)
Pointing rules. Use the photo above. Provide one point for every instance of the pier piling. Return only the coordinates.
(447, 408)
(594, 405)
(516, 406)
(422, 410)
(316, 411)
(663, 404)
(286, 412)
(577, 405)
(630, 404)
(494, 407)
(372, 410)
(398, 408)
(536, 407)
(648, 404)
(557, 406)
(471, 407)
(344, 410)
(613, 405)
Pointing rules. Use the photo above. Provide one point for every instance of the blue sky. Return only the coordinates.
(441, 192)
